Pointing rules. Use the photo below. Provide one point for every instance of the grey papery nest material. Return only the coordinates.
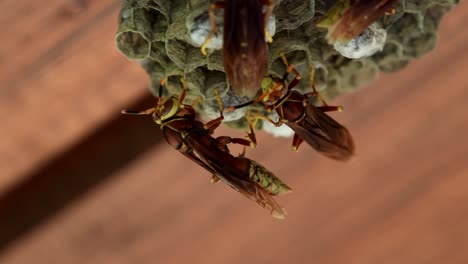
(164, 36)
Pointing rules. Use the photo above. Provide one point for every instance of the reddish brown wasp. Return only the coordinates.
(244, 47)
(193, 139)
(347, 19)
(309, 122)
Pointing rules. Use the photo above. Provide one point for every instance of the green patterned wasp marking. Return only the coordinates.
(267, 180)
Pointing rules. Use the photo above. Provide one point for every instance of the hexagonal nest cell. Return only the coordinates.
(165, 37)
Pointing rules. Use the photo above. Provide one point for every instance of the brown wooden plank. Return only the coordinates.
(73, 172)
(402, 200)
(38, 32)
(58, 90)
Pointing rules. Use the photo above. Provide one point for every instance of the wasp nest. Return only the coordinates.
(165, 37)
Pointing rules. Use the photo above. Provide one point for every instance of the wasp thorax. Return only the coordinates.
(273, 88)
(273, 96)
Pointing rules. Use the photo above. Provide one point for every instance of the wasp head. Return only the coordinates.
(273, 90)
(164, 110)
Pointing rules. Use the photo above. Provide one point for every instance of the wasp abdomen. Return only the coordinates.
(267, 180)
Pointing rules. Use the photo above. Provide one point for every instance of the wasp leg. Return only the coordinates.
(252, 120)
(222, 141)
(189, 108)
(214, 27)
(276, 123)
(268, 36)
(297, 140)
(252, 124)
(329, 108)
(390, 11)
(325, 107)
(151, 110)
(213, 124)
(251, 136)
(196, 101)
(314, 92)
(242, 154)
(251, 141)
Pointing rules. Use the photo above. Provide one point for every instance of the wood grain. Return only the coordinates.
(61, 76)
(403, 199)
(76, 170)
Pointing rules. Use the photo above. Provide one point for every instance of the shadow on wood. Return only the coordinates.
(72, 173)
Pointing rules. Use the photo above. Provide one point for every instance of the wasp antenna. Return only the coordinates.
(161, 84)
(256, 100)
(132, 112)
(184, 90)
(234, 107)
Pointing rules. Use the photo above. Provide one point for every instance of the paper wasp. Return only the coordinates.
(245, 52)
(310, 123)
(193, 139)
(347, 19)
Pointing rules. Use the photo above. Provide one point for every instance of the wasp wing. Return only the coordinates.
(338, 134)
(324, 134)
(234, 171)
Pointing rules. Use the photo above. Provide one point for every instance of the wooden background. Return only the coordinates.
(81, 184)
